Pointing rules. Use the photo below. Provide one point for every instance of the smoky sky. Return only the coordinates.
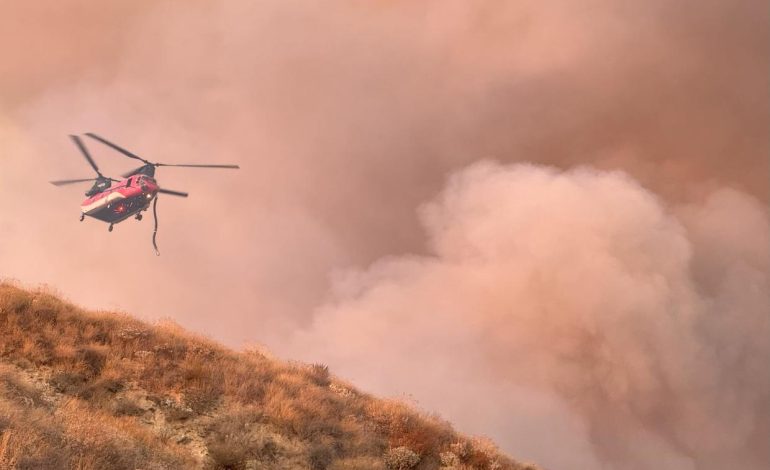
(573, 193)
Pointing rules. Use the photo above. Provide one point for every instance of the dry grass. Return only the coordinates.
(91, 390)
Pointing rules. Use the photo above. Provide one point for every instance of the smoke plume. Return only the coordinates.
(603, 306)
(649, 326)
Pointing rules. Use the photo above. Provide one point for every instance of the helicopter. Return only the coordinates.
(129, 196)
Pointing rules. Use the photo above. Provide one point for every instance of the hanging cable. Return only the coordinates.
(155, 229)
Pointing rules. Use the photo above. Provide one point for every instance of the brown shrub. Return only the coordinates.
(357, 463)
(227, 455)
(93, 360)
(49, 459)
(426, 435)
(126, 407)
(401, 458)
(235, 438)
(319, 457)
(14, 300)
(319, 375)
(203, 385)
(70, 383)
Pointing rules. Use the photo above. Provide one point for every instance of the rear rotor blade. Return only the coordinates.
(235, 167)
(85, 153)
(116, 147)
(173, 193)
(63, 182)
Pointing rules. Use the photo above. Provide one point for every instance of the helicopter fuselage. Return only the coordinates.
(121, 200)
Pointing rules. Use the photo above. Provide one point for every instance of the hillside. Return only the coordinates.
(94, 390)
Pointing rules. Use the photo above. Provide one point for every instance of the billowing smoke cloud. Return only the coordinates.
(650, 327)
(345, 117)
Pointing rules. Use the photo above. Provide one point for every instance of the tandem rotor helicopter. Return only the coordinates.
(129, 196)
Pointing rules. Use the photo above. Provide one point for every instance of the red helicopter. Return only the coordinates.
(130, 196)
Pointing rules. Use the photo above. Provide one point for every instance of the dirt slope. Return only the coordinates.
(92, 390)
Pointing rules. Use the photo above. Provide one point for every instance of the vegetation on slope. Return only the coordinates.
(100, 390)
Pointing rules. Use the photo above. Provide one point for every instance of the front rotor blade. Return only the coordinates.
(63, 182)
(132, 172)
(173, 193)
(85, 153)
(116, 147)
(235, 167)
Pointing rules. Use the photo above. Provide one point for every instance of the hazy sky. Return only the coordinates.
(547, 221)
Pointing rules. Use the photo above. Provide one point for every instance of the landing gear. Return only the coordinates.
(138, 216)
(82, 216)
(110, 229)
